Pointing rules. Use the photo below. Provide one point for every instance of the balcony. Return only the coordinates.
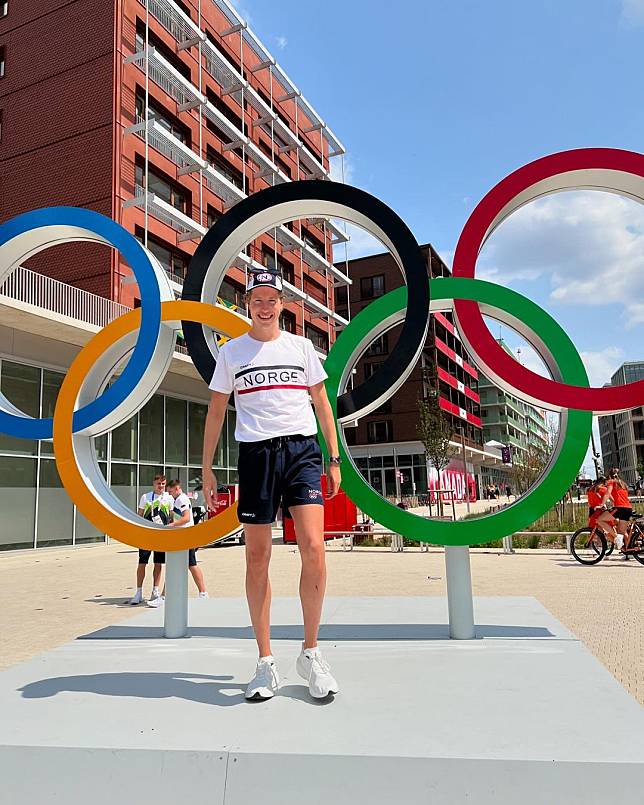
(175, 21)
(291, 242)
(338, 235)
(187, 227)
(313, 304)
(168, 78)
(167, 144)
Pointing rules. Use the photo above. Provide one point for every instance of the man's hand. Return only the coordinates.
(335, 479)
(210, 488)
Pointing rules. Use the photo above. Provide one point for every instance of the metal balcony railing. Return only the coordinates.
(27, 286)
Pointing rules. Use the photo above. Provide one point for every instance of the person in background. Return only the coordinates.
(155, 506)
(598, 515)
(617, 491)
(182, 511)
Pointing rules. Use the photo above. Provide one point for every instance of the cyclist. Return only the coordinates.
(599, 516)
(617, 491)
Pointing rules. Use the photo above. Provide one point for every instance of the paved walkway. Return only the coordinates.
(51, 596)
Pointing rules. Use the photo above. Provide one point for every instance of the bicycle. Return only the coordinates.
(589, 545)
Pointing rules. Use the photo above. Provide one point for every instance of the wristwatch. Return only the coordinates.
(335, 459)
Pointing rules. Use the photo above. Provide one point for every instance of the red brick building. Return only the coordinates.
(223, 121)
(160, 115)
(385, 443)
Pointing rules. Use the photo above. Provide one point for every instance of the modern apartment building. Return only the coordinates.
(385, 444)
(510, 422)
(622, 435)
(160, 114)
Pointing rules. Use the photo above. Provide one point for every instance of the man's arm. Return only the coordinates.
(212, 432)
(327, 425)
(183, 520)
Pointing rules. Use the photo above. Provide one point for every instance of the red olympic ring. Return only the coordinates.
(598, 168)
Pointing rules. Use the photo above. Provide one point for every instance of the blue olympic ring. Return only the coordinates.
(25, 427)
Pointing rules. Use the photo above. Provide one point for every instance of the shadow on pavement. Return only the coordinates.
(329, 632)
(200, 688)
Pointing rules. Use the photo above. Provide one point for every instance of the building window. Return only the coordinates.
(174, 262)
(232, 293)
(161, 116)
(371, 287)
(283, 266)
(2, 62)
(213, 216)
(314, 243)
(380, 346)
(289, 321)
(319, 339)
(378, 432)
(4, 8)
(341, 296)
(221, 164)
(161, 187)
(370, 368)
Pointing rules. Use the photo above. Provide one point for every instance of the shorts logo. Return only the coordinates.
(314, 494)
(247, 514)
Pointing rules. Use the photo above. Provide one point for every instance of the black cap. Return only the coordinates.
(260, 278)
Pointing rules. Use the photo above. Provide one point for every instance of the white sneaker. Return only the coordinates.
(266, 681)
(204, 595)
(155, 594)
(157, 602)
(136, 598)
(312, 667)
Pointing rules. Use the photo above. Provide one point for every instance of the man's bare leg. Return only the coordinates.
(197, 575)
(156, 574)
(258, 586)
(309, 530)
(140, 575)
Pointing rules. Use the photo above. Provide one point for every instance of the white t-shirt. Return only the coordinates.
(181, 503)
(271, 381)
(152, 504)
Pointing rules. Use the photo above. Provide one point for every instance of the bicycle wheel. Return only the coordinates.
(637, 544)
(588, 546)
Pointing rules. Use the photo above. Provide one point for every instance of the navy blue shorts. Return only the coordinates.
(159, 557)
(284, 471)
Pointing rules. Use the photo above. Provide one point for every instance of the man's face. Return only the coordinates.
(159, 486)
(265, 306)
(175, 491)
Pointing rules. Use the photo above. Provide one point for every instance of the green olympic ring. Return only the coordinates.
(569, 453)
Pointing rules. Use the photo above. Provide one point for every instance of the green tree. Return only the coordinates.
(434, 428)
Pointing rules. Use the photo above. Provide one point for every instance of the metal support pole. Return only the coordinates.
(467, 486)
(175, 619)
(459, 592)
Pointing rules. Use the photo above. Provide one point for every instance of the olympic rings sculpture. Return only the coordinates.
(88, 405)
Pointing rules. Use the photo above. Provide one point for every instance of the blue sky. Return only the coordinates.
(435, 102)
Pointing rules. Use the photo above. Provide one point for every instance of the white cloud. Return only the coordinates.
(587, 246)
(602, 365)
(282, 42)
(360, 245)
(632, 12)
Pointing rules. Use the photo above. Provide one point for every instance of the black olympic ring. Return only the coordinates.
(269, 208)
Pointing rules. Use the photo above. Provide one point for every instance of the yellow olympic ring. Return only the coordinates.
(139, 536)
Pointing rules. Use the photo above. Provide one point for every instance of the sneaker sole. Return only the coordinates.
(259, 697)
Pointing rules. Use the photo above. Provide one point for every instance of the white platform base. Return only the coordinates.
(524, 714)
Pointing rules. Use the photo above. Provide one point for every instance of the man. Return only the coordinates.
(183, 517)
(155, 506)
(272, 374)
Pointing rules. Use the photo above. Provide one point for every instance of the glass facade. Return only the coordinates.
(166, 435)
